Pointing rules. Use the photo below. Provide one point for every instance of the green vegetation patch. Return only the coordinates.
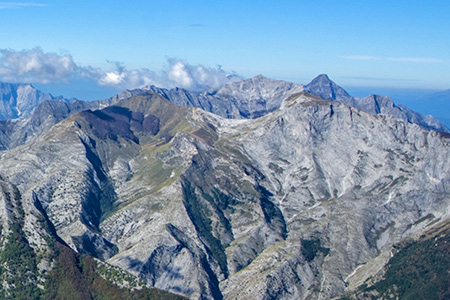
(420, 270)
(200, 216)
(74, 276)
(18, 262)
(77, 277)
(18, 267)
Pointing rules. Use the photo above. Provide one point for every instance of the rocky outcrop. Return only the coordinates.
(19, 100)
(249, 99)
(258, 96)
(299, 203)
(324, 88)
(37, 264)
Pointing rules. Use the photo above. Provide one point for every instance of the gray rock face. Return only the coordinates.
(300, 203)
(250, 98)
(324, 88)
(375, 104)
(16, 132)
(19, 100)
(258, 96)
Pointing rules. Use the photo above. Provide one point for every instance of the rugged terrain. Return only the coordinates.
(248, 99)
(305, 199)
(19, 100)
(418, 269)
(257, 96)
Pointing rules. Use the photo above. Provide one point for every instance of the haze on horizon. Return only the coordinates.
(93, 49)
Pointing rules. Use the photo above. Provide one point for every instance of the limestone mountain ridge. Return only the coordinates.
(257, 96)
(29, 112)
(304, 201)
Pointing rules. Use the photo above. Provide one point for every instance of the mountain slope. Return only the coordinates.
(285, 206)
(326, 89)
(418, 270)
(19, 100)
(250, 98)
(258, 96)
(36, 264)
(20, 131)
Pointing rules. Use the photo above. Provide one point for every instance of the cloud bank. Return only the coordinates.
(178, 73)
(37, 66)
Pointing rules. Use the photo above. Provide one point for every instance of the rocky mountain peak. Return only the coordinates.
(258, 83)
(321, 78)
(254, 97)
(325, 88)
(18, 100)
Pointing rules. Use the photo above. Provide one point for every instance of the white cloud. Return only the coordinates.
(178, 73)
(396, 59)
(37, 66)
(181, 74)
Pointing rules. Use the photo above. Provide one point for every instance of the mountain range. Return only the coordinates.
(258, 96)
(249, 98)
(262, 189)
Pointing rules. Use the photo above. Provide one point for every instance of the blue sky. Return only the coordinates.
(91, 49)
